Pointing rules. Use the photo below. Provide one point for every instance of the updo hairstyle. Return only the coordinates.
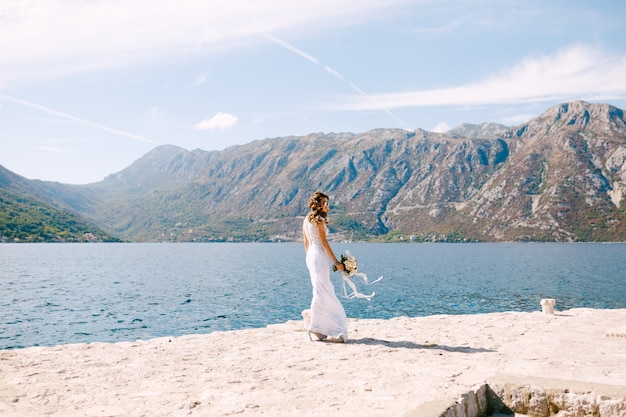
(315, 204)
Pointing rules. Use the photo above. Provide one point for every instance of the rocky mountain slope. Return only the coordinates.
(559, 177)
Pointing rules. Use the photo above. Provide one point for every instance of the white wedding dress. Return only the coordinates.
(327, 314)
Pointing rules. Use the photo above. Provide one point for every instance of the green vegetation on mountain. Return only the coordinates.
(559, 177)
(23, 219)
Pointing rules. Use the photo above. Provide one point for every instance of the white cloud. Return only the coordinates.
(578, 72)
(221, 121)
(199, 80)
(441, 128)
(443, 28)
(517, 119)
(59, 37)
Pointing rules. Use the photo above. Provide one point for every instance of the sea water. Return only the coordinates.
(79, 293)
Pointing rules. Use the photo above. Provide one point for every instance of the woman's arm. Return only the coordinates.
(306, 240)
(321, 228)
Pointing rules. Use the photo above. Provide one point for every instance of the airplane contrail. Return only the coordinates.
(76, 119)
(334, 73)
(291, 48)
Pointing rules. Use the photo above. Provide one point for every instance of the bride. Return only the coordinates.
(328, 318)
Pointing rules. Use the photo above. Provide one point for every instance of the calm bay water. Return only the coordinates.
(75, 293)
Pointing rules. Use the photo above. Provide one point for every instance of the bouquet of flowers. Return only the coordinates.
(349, 262)
(351, 269)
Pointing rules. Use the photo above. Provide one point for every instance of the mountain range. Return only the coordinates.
(558, 177)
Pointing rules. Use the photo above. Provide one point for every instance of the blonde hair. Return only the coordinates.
(317, 214)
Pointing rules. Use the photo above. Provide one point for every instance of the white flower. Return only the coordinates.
(351, 265)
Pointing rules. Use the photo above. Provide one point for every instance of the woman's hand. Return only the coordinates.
(338, 265)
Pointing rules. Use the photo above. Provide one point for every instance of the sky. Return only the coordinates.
(88, 87)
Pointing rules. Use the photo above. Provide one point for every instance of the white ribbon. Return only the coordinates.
(355, 293)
